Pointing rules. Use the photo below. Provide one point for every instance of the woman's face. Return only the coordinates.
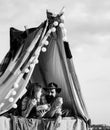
(38, 93)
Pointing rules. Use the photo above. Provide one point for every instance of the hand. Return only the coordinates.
(59, 111)
(34, 101)
(42, 107)
(42, 112)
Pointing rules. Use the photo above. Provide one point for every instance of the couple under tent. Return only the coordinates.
(41, 55)
(36, 104)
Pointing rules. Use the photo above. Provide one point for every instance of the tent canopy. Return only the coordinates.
(42, 55)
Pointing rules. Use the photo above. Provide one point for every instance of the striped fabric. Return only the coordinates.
(5, 63)
(41, 56)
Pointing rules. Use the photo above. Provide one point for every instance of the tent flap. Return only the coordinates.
(41, 55)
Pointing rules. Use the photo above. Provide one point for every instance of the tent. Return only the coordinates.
(41, 54)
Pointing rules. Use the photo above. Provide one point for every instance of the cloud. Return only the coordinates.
(88, 23)
(88, 29)
(89, 18)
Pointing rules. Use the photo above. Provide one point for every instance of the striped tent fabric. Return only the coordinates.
(42, 55)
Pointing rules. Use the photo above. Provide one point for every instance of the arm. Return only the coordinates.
(55, 109)
(58, 112)
(27, 105)
(42, 108)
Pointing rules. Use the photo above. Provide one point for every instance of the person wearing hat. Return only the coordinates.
(55, 101)
(52, 91)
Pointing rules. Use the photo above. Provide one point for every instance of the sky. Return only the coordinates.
(88, 32)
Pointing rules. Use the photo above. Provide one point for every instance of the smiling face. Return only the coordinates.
(38, 93)
(52, 92)
(50, 96)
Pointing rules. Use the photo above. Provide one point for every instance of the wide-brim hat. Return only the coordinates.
(52, 86)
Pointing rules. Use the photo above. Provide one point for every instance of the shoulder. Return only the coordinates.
(59, 99)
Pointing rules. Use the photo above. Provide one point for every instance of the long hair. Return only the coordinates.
(33, 88)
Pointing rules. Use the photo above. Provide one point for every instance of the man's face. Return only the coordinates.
(52, 92)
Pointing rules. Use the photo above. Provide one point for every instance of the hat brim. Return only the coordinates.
(58, 90)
